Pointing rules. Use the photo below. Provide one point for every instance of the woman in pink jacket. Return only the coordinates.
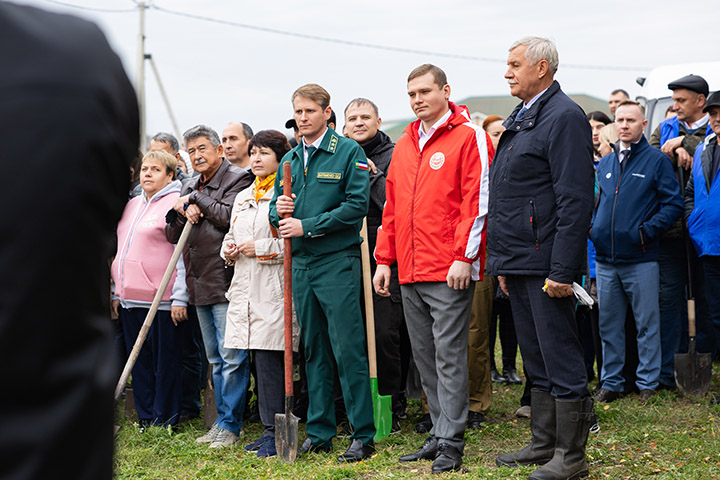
(140, 262)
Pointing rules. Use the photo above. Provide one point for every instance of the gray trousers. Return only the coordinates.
(437, 319)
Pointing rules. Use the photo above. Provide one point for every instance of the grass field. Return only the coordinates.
(669, 437)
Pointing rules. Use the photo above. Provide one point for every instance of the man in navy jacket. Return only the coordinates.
(541, 187)
(638, 199)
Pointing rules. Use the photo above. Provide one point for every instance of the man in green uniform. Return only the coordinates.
(330, 195)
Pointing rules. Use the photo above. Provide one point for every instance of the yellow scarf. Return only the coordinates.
(261, 187)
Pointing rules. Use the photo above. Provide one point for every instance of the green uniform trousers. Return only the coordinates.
(327, 302)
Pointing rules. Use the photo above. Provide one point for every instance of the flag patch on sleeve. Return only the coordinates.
(361, 164)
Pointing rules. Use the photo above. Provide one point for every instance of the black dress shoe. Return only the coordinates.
(356, 452)
(511, 376)
(606, 396)
(475, 420)
(428, 451)
(448, 458)
(308, 447)
(424, 425)
(496, 377)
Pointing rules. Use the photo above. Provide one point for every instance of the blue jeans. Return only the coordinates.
(638, 284)
(231, 367)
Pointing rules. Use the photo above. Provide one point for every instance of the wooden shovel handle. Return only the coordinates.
(691, 317)
(369, 310)
(287, 289)
(150, 317)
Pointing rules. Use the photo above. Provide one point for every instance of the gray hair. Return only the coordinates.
(202, 131)
(162, 137)
(362, 101)
(539, 48)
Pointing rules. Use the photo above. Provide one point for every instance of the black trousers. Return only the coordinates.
(270, 377)
(548, 337)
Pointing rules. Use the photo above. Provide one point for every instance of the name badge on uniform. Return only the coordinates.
(329, 175)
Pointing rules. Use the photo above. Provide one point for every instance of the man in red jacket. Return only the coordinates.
(434, 227)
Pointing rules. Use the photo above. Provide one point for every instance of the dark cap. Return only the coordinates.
(291, 124)
(691, 82)
(713, 101)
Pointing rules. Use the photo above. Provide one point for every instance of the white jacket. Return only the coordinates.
(255, 317)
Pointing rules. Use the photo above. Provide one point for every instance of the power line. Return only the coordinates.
(376, 46)
(338, 41)
(91, 9)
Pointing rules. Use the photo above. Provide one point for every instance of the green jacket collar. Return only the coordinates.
(329, 143)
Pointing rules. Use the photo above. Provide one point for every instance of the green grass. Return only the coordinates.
(670, 437)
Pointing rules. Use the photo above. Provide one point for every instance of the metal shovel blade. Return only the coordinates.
(693, 372)
(286, 435)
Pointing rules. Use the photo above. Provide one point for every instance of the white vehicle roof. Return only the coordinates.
(656, 82)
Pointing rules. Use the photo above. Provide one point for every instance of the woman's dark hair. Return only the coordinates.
(272, 139)
(599, 117)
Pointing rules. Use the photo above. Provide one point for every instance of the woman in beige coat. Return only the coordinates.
(255, 314)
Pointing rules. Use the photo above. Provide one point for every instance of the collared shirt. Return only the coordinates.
(534, 99)
(315, 144)
(424, 137)
(625, 151)
(694, 126)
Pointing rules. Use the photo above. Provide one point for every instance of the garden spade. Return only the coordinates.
(693, 370)
(382, 404)
(286, 424)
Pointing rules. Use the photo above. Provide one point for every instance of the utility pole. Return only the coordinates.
(140, 77)
(164, 97)
(140, 82)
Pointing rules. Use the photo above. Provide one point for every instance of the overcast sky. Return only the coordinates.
(215, 73)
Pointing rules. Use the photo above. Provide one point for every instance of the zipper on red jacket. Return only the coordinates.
(412, 217)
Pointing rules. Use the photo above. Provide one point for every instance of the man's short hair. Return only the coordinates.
(164, 159)
(247, 131)
(539, 48)
(202, 131)
(632, 102)
(620, 90)
(362, 101)
(314, 92)
(162, 137)
(437, 73)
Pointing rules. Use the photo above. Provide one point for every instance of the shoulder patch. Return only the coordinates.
(361, 164)
(333, 143)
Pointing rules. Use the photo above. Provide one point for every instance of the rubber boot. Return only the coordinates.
(542, 426)
(573, 422)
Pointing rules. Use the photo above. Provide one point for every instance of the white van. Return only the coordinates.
(657, 97)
